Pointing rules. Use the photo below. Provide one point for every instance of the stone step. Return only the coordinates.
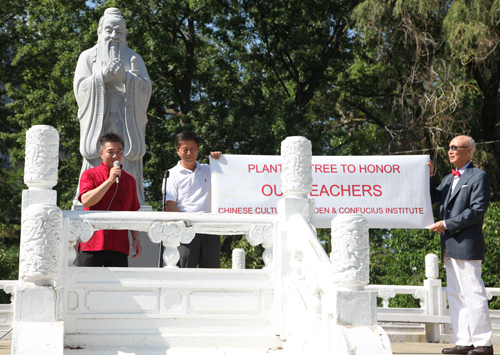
(178, 351)
(171, 344)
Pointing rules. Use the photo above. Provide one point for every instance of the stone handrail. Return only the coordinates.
(386, 292)
(5, 284)
(171, 228)
(201, 222)
(323, 290)
(7, 310)
(310, 262)
(309, 284)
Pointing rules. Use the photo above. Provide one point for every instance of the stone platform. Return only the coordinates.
(397, 348)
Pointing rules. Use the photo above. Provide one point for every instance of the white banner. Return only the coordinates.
(390, 191)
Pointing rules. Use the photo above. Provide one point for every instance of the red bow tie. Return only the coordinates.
(455, 173)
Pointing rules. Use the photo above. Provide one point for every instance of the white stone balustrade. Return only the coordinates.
(296, 290)
(166, 227)
(433, 308)
(7, 310)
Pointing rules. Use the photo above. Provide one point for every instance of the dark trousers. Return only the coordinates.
(204, 251)
(108, 258)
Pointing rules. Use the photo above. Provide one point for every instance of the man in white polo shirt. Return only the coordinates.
(188, 190)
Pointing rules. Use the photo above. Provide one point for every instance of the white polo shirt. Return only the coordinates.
(190, 189)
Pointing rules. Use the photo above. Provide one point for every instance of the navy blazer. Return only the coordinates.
(463, 211)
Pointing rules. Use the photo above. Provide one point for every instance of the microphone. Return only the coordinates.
(164, 185)
(117, 163)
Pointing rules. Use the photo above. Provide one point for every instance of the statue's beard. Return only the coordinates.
(111, 50)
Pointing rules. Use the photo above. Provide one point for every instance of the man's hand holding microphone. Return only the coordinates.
(115, 172)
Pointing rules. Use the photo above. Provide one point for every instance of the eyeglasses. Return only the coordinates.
(455, 147)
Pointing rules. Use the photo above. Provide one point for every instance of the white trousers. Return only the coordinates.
(469, 311)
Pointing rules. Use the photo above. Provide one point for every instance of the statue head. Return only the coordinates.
(112, 33)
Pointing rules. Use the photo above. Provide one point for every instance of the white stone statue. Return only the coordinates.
(112, 89)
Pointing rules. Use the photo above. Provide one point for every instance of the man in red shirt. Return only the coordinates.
(109, 188)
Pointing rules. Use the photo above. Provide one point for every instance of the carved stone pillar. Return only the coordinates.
(350, 267)
(42, 157)
(296, 179)
(350, 251)
(296, 185)
(238, 258)
(296, 174)
(38, 323)
(40, 254)
(172, 234)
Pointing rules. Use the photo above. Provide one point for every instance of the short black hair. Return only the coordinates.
(110, 137)
(186, 136)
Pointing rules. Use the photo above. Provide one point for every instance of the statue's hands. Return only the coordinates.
(120, 73)
(107, 72)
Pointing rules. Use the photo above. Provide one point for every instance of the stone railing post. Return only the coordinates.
(433, 297)
(296, 185)
(172, 234)
(262, 234)
(296, 179)
(38, 324)
(350, 267)
(350, 254)
(238, 258)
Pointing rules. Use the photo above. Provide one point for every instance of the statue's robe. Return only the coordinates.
(113, 107)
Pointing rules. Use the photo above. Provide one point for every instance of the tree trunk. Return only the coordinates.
(489, 116)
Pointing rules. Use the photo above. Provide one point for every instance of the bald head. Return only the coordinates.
(467, 142)
(460, 150)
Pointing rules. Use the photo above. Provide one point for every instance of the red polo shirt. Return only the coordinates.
(125, 200)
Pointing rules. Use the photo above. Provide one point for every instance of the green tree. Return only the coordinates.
(10, 188)
(472, 35)
(50, 37)
(401, 81)
(9, 267)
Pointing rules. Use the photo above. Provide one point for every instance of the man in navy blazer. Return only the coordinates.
(464, 196)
